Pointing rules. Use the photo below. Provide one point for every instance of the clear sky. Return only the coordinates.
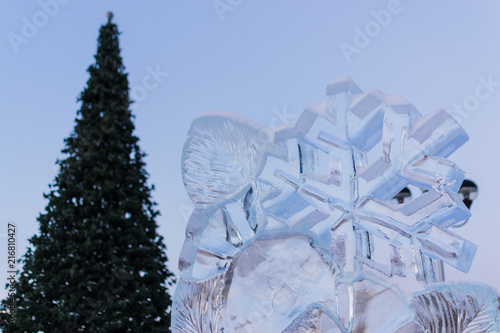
(266, 60)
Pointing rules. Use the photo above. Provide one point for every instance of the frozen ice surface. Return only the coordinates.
(295, 229)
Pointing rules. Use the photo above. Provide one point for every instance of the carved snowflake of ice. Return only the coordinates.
(294, 229)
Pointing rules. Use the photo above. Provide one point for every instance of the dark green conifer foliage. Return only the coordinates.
(98, 264)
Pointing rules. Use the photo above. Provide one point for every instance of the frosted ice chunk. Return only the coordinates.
(265, 293)
(456, 307)
(221, 156)
(294, 228)
(198, 305)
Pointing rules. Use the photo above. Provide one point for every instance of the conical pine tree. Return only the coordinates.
(98, 264)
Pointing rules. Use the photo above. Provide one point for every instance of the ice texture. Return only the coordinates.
(295, 229)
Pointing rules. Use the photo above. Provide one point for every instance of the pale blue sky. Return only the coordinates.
(261, 59)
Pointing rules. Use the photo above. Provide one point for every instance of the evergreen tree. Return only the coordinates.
(98, 264)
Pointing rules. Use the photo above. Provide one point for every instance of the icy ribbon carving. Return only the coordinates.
(294, 229)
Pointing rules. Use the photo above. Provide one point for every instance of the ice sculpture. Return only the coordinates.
(294, 228)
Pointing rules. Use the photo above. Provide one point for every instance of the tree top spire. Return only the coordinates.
(110, 16)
